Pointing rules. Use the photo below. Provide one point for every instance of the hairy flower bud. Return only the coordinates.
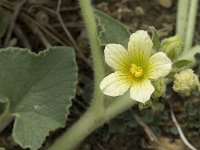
(160, 87)
(185, 81)
(172, 46)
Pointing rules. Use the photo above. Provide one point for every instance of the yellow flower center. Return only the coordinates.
(136, 71)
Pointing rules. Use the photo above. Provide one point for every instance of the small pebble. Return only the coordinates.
(139, 11)
(165, 3)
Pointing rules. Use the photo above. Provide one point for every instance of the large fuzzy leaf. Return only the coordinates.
(39, 88)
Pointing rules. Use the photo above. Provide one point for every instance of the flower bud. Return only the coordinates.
(160, 87)
(172, 46)
(185, 81)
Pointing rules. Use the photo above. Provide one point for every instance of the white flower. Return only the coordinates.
(134, 68)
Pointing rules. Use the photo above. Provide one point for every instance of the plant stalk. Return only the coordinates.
(98, 67)
(182, 16)
(191, 24)
(80, 130)
(90, 122)
(92, 119)
(97, 114)
(119, 105)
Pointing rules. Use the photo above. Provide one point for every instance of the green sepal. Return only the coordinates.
(155, 39)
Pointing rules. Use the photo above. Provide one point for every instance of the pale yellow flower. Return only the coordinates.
(134, 68)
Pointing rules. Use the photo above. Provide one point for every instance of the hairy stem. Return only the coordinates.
(92, 119)
(119, 105)
(80, 130)
(88, 16)
(182, 14)
(89, 122)
(97, 114)
(191, 24)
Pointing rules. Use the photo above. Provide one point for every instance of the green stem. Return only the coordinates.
(97, 114)
(182, 14)
(89, 122)
(191, 24)
(119, 105)
(88, 16)
(93, 117)
(81, 129)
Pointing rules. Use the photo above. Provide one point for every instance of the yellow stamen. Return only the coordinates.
(136, 71)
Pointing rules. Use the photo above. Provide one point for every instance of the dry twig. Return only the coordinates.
(12, 24)
(100, 146)
(22, 37)
(42, 28)
(147, 129)
(41, 36)
(185, 141)
(69, 35)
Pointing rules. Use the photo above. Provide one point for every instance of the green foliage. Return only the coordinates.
(157, 106)
(5, 18)
(160, 87)
(123, 123)
(174, 130)
(180, 65)
(192, 115)
(155, 39)
(154, 119)
(2, 148)
(197, 58)
(3, 99)
(39, 88)
(142, 106)
(172, 46)
(111, 30)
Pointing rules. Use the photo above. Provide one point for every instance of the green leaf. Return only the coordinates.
(180, 65)
(2, 148)
(111, 30)
(197, 58)
(155, 39)
(5, 17)
(39, 88)
(3, 99)
(189, 55)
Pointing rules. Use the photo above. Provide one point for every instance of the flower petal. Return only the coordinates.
(140, 46)
(141, 91)
(116, 56)
(115, 84)
(159, 66)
